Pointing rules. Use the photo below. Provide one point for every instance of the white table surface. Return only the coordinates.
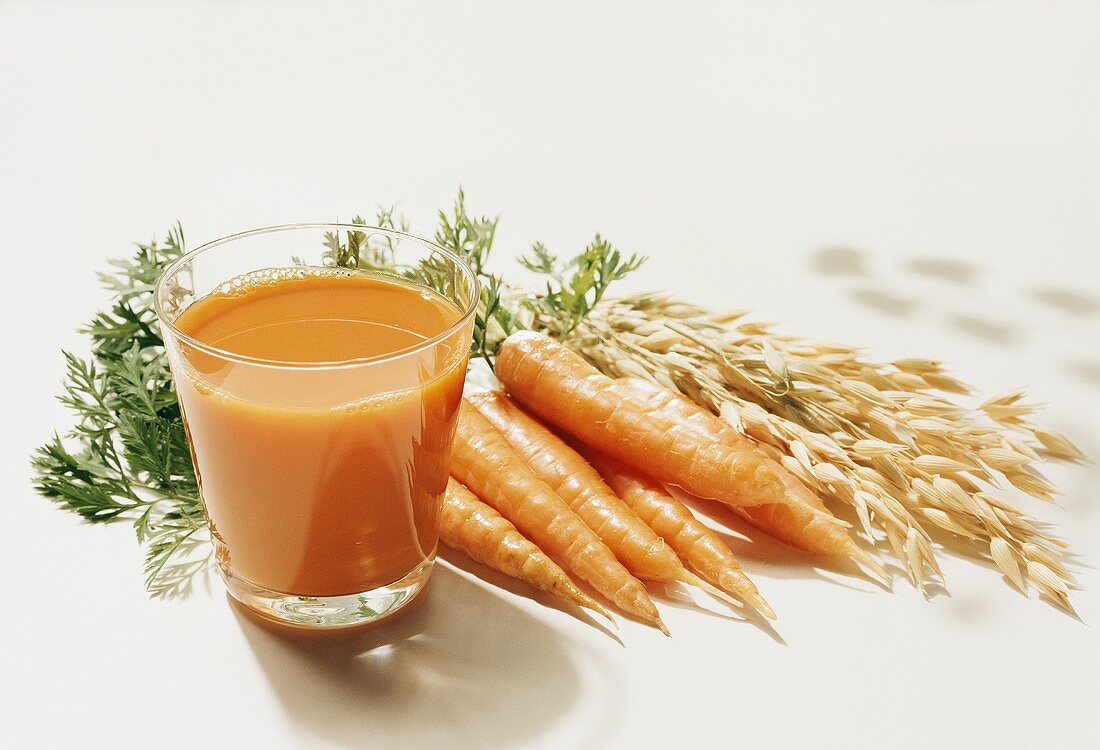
(740, 145)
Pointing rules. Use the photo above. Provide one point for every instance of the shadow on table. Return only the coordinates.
(461, 668)
(520, 588)
(1086, 370)
(997, 326)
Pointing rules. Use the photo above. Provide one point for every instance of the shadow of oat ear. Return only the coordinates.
(839, 261)
(1077, 304)
(1068, 301)
(1086, 370)
(462, 668)
(991, 331)
(943, 269)
(895, 305)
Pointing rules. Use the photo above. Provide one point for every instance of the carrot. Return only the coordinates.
(575, 481)
(700, 547)
(793, 524)
(484, 461)
(471, 526)
(559, 386)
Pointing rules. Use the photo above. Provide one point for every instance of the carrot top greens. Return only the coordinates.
(125, 459)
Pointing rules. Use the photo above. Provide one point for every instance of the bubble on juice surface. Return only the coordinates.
(246, 283)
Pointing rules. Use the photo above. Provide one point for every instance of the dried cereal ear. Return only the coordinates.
(888, 439)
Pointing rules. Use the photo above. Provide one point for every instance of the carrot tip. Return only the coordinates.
(761, 605)
(741, 586)
(825, 515)
(605, 613)
(584, 600)
(661, 626)
(694, 580)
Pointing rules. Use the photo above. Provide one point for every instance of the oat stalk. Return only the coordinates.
(894, 443)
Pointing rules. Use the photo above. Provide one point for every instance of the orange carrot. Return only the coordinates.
(484, 461)
(575, 481)
(794, 524)
(700, 547)
(559, 386)
(471, 526)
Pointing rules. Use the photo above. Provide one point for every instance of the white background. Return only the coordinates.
(740, 145)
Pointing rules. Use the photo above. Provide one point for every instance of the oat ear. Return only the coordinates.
(890, 440)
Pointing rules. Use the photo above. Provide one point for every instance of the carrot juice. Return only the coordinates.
(320, 406)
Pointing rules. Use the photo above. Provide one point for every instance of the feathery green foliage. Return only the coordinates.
(575, 286)
(126, 457)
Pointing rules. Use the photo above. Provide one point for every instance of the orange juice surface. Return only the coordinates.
(322, 436)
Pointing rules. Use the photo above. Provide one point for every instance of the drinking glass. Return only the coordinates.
(322, 481)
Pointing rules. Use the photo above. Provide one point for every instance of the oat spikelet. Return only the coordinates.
(1006, 561)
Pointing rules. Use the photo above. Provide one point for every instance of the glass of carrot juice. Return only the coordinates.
(319, 370)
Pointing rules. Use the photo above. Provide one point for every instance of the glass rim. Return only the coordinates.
(463, 318)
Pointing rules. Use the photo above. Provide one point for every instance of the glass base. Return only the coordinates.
(328, 612)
